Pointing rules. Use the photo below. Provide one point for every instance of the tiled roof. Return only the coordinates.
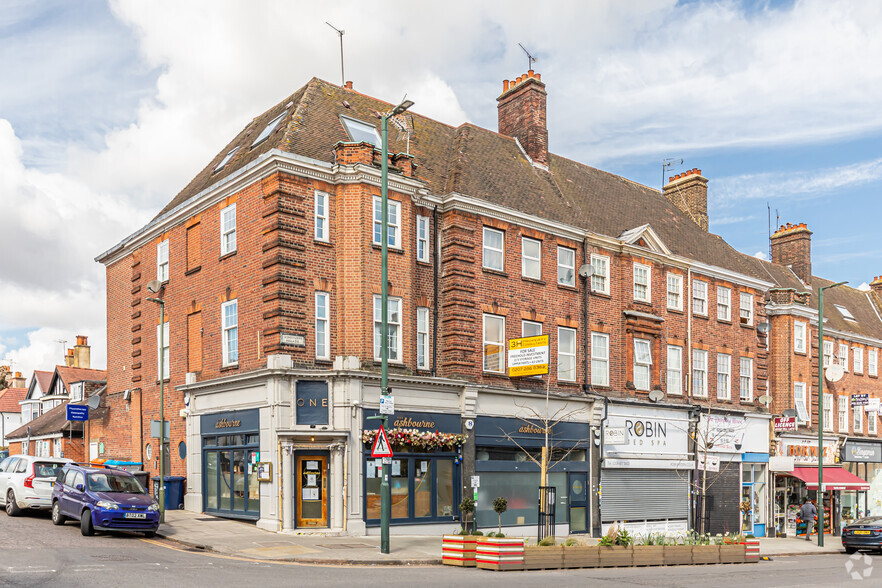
(43, 379)
(862, 306)
(69, 375)
(10, 398)
(51, 421)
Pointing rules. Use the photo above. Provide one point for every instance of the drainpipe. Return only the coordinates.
(585, 328)
(435, 266)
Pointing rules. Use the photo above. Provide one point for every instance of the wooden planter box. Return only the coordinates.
(581, 556)
(705, 554)
(459, 550)
(678, 555)
(649, 555)
(543, 558)
(500, 553)
(732, 553)
(615, 556)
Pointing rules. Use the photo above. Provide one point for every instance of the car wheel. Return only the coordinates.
(86, 527)
(150, 534)
(57, 517)
(11, 506)
(850, 550)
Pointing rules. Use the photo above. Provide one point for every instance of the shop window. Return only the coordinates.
(599, 359)
(843, 414)
(799, 337)
(600, 274)
(675, 370)
(699, 373)
(746, 379)
(393, 319)
(802, 403)
(642, 363)
(675, 292)
(422, 488)
(393, 222)
(724, 304)
(699, 297)
(724, 376)
(642, 283)
(531, 258)
(521, 490)
(566, 266)
(494, 249)
(494, 343)
(566, 354)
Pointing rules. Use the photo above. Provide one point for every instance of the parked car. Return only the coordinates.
(26, 482)
(863, 533)
(4, 453)
(103, 498)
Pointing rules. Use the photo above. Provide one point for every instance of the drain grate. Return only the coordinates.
(345, 546)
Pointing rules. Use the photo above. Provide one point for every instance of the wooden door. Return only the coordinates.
(312, 490)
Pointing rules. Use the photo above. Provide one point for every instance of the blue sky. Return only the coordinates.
(108, 109)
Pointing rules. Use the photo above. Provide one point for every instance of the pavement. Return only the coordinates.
(241, 539)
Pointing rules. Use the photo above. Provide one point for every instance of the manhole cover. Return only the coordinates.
(345, 545)
(107, 557)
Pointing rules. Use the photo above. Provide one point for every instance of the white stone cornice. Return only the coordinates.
(730, 276)
(853, 337)
(799, 310)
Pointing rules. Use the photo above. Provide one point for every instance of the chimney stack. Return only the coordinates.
(522, 114)
(69, 358)
(688, 192)
(17, 381)
(82, 352)
(876, 285)
(792, 245)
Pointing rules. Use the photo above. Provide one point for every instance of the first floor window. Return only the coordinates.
(675, 370)
(422, 238)
(642, 285)
(494, 343)
(828, 412)
(566, 266)
(393, 332)
(724, 376)
(801, 400)
(230, 331)
(162, 261)
(858, 419)
(746, 377)
(599, 359)
(699, 373)
(642, 363)
(675, 292)
(699, 297)
(163, 357)
(600, 274)
(494, 249)
(422, 337)
(531, 258)
(393, 222)
(843, 414)
(828, 353)
(321, 216)
(858, 355)
(566, 354)
(799, 337)
(872, 368)
(746, 308)
(724, 304)
(843, 356)
(871, 422)
(322, 326)
(228, 229)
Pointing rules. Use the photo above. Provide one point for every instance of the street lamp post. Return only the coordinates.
(821, 413)
(385, 490)
(155, 286)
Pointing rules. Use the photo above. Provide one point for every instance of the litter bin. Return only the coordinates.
(174, 491)
(143, 477)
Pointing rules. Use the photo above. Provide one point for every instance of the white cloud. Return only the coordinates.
(761, 255)
(865, 287)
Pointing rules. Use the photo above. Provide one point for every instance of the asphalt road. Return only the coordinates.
(33, 552)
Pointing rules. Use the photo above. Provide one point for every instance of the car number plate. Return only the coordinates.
(136, 515)
(862, 532)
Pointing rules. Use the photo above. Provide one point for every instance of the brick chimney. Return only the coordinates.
(688, 192)
(522, 114)
(17, 381)
(69, 358)
(792, 245)
(81, 352)
(876, 285)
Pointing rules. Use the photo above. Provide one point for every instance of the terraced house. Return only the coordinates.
(658, 331)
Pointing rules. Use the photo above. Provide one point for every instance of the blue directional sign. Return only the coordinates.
(77, 412)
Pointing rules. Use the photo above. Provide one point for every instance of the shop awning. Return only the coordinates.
(835, 478)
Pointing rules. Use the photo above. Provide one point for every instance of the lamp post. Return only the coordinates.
(821, 413)
(385, 490)
(155, 286)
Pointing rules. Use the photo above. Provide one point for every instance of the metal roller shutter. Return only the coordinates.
(637, 495)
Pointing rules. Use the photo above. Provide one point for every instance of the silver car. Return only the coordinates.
(26, 482)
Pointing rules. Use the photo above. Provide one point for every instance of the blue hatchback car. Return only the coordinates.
(103, 498)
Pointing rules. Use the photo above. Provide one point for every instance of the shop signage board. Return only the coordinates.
(381, 446)
(804, 450)
(862, 452)
(724, 433)
(783, 424)
(312, 402)
(709, 463)
(654, 437)
(781, 463)
(614, 436)
(421, 421)
(528, 356)
(529, 433)
(872, 405)
(860, 399)
(77, 412)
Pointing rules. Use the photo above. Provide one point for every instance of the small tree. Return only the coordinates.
(500, 505)
(466, 506)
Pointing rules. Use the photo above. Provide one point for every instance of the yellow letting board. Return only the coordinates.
(528, 356)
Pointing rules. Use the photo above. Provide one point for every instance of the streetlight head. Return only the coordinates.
(405, 104)
(154, 286)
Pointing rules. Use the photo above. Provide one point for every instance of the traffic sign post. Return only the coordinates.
(381, 446)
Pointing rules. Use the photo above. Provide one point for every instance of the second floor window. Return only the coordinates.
(600, 274)
(843, 414)
(322, 326)
(642, 284)
(858, 413)
(566, 354)
(642, 363)
(230, 331)
(872, 367)
(566, 266)
(799, 336)
(531, 258)
(422, 337)
(228, 229)
(724, 304)
(675, 370)
(858, 360)
(321, 216)
(393, 320)
(422, 235)
(843, 356)
(163, 357)
(162, 261)
(599, 359)
(828, 412)
(76, 391)
(724, 376)
(494, 343)
(393, 222)
(699, 297)
(746, 379)
(699, 373)
(871, 423)
(675, 292)
(802, 403)
(746, 308)
(828, 353)
(494, 249)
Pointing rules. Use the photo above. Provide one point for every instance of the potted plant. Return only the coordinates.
(500, 505)
(460, 548)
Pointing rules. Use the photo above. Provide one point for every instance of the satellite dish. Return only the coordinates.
(790, 412)
(656, 395)
(93, 402)
(154, 286)
(834, 372)
(764, 328)
(765, 399)
(586, 270)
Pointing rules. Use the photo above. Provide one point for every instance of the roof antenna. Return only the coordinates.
(669, 163)
(769, 208)
(340, 32)
(530, 59)
(63, 345)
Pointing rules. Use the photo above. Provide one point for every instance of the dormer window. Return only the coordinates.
(76, 392)
(845, 313)
(269, 128)
(225, 160)
(361, 131)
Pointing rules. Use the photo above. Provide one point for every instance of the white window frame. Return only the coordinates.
(393, 222)
(228, 230)
(843, 414)
(57, 448)
(527, 259)
(321, 217)
(76, 391)
(230, 333)
(872, 363)
(166, 348)
(422, 335)
(600, 280)
(857, 359)
(699, 297)
(745, 379)
(566, 353)
(872, 419)
(828, 412)
(642, 364)
(568, 270)
(724, 303)
(162, 261)
(599, 359)
(828, 353)
(800, 336)
(858, 419)
(843, 356)
(422, 238)
(675, 289)
(322, 325)
(699, 373)
(500, 344)
(642, 283)
(745, 305)
(801, 395)
(674, 376)
(393, 305)
(491, 249)
(724, 376)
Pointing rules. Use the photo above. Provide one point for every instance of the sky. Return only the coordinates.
(108, 109)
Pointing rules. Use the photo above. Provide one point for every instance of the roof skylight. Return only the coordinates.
(361, 131)
(269, 129)
(225, 160)
(845, 312)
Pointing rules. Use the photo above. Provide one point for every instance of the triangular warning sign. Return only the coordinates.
(381, 445)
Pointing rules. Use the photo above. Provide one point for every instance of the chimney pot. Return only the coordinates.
(538, 77)
(530, 73)
(698, 171)
(17, 374)
(348, 85)
(671, 178)
(505, 85)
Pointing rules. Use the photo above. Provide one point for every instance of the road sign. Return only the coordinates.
(860, 399)
(528, 356)
(387, 405)
(476, 481)
(381, 445)
(77, 412)
(154, 430)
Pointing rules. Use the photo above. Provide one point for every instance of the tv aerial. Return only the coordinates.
(530, 59)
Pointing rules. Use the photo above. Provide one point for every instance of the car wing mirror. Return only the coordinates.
(80, 487)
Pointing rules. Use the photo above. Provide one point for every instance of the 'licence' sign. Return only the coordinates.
(528, 356)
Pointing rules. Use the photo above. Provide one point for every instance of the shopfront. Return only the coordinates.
(230, 454)
(863, 459)
(506, 454)
(647, 469)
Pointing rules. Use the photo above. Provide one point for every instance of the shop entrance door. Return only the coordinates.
(578, 483)
(312, 490)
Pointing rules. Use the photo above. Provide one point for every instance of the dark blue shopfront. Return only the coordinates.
(230, 453)
(425, 480)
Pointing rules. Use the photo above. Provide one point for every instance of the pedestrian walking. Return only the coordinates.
(807, 513)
